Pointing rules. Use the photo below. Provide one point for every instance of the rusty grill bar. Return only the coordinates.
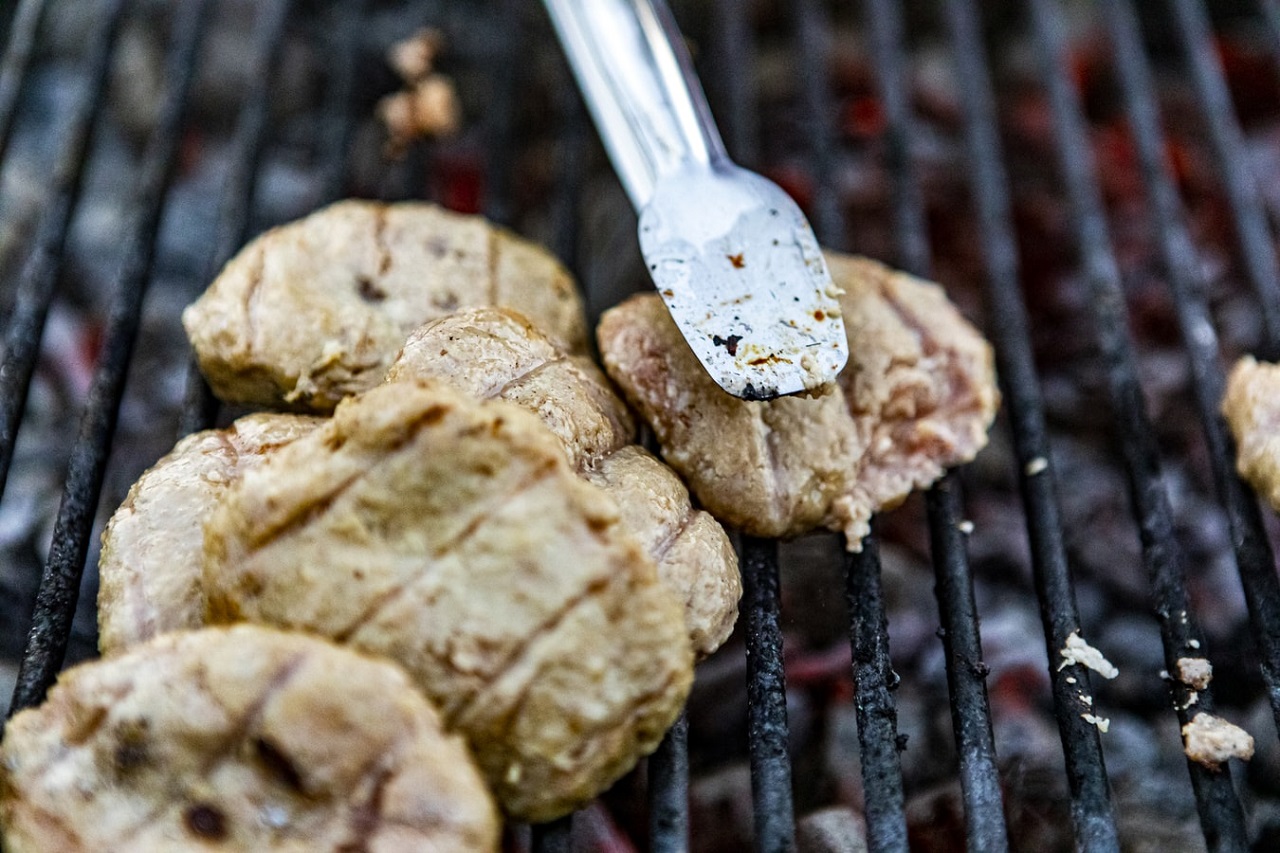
(1095, 828)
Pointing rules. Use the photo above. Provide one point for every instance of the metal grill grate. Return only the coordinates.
(1095, 826)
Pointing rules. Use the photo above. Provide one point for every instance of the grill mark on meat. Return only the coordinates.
(277, 764)
(223, 752)
(304, 513)
(771, 471)
(659, 551)
(257, 273)
(381, 602)
(58, 833)
(253, 713)
(301, 515)
(624, 718)
(492, 285)
(380, 241)
(528, 374)
(367, 816)
(548, 626)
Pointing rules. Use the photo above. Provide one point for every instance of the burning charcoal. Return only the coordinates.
(834, 830)
(720, 809)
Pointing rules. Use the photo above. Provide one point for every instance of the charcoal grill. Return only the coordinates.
(728, 67)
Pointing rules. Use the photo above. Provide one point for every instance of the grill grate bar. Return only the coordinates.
(813, 38)
(13, 71)
(1086, 773)
(966, 674)
(767, 732)
(235, 209)
(337, 123)
(669, 791)
(1191, 27)
(883, 19)
(873, 678)
(1220, 813)
(39, 275)
(60, 584)
(1253, 552)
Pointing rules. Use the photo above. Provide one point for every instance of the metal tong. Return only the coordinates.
(729, 251)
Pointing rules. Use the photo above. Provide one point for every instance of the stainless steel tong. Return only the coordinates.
(731, 254)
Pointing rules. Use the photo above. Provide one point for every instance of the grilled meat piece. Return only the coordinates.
(1252, 409)
(491, 352)
(149, 569)
(452, 536)
(316, 310)
(916, 397)
(920, 385)
(239, 739)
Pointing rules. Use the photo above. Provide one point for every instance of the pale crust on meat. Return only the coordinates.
(494, 353)
(315, 311)
(239, 739)
(920, 384)
(452, 536)
(149, 568)
(916, 397)
(1252, 409)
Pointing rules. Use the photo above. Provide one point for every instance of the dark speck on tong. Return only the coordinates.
(730, 343)
(754, 394)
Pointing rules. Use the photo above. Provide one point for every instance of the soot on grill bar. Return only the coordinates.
(811, 94)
